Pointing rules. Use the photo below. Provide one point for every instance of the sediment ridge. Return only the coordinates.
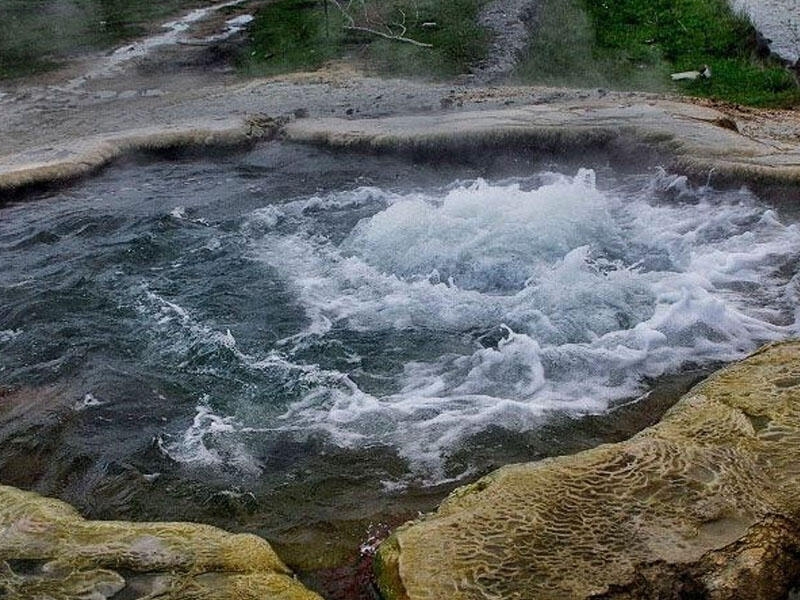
(81, 157)
(698, 140)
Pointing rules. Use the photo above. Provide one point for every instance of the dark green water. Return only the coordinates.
(313, 347)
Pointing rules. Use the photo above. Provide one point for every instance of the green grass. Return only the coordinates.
(684, 30)
(564, 52)
(457, 41)
(635, 44)
(743, 82)
(36, 35)
(619, 44)
(293, 35)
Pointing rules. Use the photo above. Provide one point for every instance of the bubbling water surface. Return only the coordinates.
(364, 317)
(433, 315)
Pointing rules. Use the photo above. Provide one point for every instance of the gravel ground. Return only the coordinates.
(510, 23)
(777, 20)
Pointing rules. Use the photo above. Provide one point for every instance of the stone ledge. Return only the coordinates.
(47, 550)
(697, 140)
(704, 504)
(84, 156)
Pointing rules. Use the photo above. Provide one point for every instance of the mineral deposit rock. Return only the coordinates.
(705, 504)
(49, 552)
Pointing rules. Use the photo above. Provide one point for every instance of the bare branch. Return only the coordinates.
(389, 34)
(396, 38)
(402, 24)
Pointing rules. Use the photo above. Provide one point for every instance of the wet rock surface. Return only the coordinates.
(712, 142)
(68, 123)
(47, 550)
(704, 504)
(693, 138)
(187, 83)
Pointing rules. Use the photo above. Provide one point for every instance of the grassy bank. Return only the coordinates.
(619, 44)
(636, 44)
(36, 35)
(290, 35)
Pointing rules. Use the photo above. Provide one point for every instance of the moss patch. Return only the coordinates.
(48, 551)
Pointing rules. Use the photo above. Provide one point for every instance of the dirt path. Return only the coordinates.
(510, 23)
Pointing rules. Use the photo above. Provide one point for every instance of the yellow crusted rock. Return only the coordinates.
(48, 551)
(705, 502)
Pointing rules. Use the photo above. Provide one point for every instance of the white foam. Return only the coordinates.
(212, 441)
(88, 401)
(8, 335)
(484, 237)
(585, 293)
(175, 331)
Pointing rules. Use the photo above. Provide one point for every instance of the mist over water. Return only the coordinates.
(370, 316)
(535, 295)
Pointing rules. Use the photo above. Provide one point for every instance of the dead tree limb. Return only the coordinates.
(391, 35)
(396, 38)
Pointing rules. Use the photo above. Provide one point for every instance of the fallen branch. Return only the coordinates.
(396, 38)
(351, 26)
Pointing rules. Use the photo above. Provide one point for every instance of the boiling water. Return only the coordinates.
(430, 315)
(386, 318)
(289, 317)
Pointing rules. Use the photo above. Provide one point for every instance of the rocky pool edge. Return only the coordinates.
(702, 504)
(700, 141)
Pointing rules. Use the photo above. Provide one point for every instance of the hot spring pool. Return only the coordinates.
(297, 343)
